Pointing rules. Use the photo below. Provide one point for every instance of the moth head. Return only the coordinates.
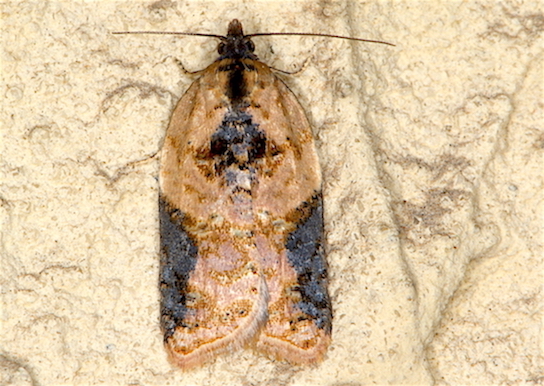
(236, 45)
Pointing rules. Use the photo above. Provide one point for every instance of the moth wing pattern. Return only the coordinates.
(299, 311)
(241, 218)
(213, 295)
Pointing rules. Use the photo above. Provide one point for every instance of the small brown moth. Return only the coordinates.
(241, 216)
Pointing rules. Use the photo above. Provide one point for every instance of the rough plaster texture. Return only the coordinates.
(432, 159)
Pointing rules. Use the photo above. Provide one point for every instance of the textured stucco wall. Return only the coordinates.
(432, 160)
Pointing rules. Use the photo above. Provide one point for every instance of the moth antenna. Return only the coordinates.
(318, 35)
(220, 37)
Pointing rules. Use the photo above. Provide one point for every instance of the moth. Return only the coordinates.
(241, 216)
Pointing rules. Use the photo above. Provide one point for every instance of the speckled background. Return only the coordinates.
(432, 163)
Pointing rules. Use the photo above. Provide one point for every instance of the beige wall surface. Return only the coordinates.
(432, 165)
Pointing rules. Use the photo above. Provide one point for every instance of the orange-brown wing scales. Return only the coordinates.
(299, 311)
(241, 218)
(213, 293)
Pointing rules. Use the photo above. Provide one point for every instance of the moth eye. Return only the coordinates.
(250, 46)
(221, 48)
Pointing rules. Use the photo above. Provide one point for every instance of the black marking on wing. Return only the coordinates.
(305, 252)
(238, 142)
(178, 259)
(236, 89)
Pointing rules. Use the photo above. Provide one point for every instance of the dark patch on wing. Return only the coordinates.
(237, 142)
(236, 89)
(178, 259)
(305, 252)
